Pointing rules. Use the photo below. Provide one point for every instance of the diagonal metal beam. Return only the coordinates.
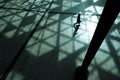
(110, 12)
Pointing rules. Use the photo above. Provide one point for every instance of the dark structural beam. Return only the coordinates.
(4, 75)
(110, 12)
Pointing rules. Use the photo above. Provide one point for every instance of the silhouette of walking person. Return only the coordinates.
(76, 25)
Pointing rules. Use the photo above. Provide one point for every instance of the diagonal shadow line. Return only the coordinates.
(5, 2)
(33, 3)
(75, 32)
(113, 51)
(113, 54)
(90, 2)
(49, 12)
(40, 42)
(24, 9)
(97, 4)
(52, 23)
(39, 64)
(12, 14)
(41, 6)
(42, 34)
(37, 38)
(100, 2)
(53, 12)
(102, 63)
(13, 3)
(32, 10)
(10, 24)
(7, 29)
(94, 4)
(82, 49)
(60, 65)
(37, 41)
(115, 38)
(14, 60)
(51, 36)
(105, 51)
(58, 30)
(24, 23)
(104, 75)
(114, 27)
(44, 40)
(15, 13)
(34, 0)
(78, 52)
(48, 45)
(76, 9)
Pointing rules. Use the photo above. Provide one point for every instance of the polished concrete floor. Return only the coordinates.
(55, 49)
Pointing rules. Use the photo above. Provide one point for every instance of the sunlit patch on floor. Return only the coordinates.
(53, 51)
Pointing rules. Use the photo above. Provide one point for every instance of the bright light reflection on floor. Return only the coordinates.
(56, 33)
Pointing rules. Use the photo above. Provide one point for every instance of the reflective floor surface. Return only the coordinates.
(56, 48)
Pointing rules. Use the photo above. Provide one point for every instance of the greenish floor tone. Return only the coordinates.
(53, 52)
